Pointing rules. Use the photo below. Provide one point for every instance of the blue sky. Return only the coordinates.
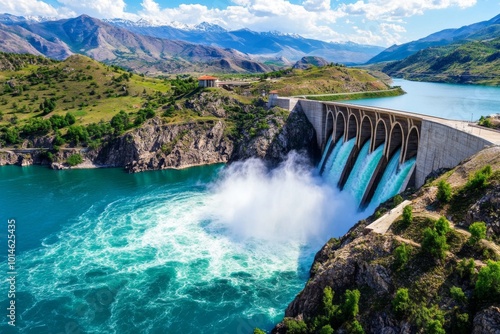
(377, 22)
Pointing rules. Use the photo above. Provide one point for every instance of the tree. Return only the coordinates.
(70, 118)
(488, 282)
(434, 244)
(74, 159)
(77, 134)
(401, 302)
(477, 232)
(295, 326)
(326, 329)
(435, 327)
(258, 331)
(442, 226)
(120, 122)
(457, 294)
(401, 255)
(444, 192)
(407, 215)
(397, 200)
(350, 308)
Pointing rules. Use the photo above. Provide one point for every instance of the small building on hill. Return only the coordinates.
(207, 81)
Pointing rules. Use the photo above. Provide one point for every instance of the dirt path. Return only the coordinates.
(382, 224)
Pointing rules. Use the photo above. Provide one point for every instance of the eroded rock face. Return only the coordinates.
(487, 209)
(157, 145)
(284, 134)
(487, 321)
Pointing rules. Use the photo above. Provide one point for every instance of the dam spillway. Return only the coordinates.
(375, 153)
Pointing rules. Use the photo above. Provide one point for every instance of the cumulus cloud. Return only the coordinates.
(28, 7)
(99, 9)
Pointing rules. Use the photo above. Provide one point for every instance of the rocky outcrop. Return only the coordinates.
(487, 321)
(283, 133)
(486, 209)
(157, 145)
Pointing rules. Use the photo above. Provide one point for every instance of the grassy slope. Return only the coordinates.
(323, 80)
(473, 62)
(90, 90)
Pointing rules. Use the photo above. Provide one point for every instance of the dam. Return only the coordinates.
(377, 152)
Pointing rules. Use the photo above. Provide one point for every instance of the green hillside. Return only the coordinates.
(475, 62)
(80, 101)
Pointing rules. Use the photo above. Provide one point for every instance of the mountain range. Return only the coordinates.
(477, 31)
(154, 49)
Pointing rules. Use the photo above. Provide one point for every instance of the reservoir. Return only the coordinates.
(452, 101)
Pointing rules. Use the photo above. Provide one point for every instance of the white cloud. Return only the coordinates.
(99, 9)
(316, 5)
(396, 9)
(28, 7)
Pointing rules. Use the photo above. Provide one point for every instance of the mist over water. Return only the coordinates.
(165, 254)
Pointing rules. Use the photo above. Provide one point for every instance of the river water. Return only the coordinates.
(452, 101)
(208, 249)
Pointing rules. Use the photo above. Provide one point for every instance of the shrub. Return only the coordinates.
(355, 328)
(442, 226)
(488, 282)
(258, 331)
(480, 179)
(401, 302)
(457, 294)
(407, 215)
(434, 244)
(444, 192)
(477, 232)
(120, 122)
(466, 268)
(434, 327)
(295, 326)
(350, 308)
(77, 134)
(461, 323)
(397, 200)
(326, 329)
(70, 118)
(401, 255)
(74, 159)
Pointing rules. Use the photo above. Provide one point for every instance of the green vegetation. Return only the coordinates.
(258, 331)
(331, 316)
(488, 282)
(407, 215)
(396, 200)
(477, 232)
(402, 255)
(466, 62)
(394, 91)
(74, 159)
(444, 192)
(401, 302)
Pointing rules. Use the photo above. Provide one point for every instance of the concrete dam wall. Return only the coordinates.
(429, 142)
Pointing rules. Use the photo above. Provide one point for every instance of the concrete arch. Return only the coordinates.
(380, 135)
(365, 130)
(396, 140)
(352, 127)
(329, 125)
(412, 140)
(340, 125)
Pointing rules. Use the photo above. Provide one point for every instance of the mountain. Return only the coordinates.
(109, 43)
(476, 31)
(472, 62)
(265, 44)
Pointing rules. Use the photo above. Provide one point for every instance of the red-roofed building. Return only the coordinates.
(207, 81)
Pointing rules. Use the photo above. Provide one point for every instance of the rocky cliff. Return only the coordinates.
(220, 135)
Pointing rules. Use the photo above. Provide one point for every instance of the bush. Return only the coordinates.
(350, 308)
(77, 134)
(444, 192)
(401, 255)
(295, 326)
(457, 294)
(120, 122)
(435, 327)
(477, 232)
(70, 118)
(326, 329)
(355, 328)
(442, 226)
(258, 331)
(74, 159)
(407, 215)
(401, 302)
(488, 282)
(37, 127)
(397, 200)
(434, 244)
(480, 179)
(466, 268)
